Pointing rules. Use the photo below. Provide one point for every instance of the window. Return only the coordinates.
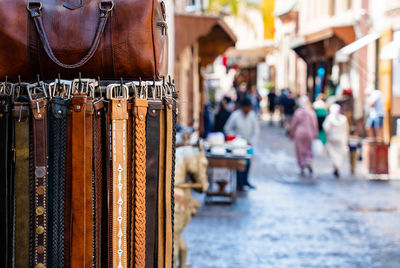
(331, 7)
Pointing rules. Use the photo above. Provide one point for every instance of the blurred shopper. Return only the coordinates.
(304, 129)
(255, 98)
(243, 122)
(337, 132)
(223, 114)
(374, 123)
(320, 108)
(271, 103)
(288, 104)
(241, 93)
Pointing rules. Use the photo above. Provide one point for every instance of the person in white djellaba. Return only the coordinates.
(336, 127)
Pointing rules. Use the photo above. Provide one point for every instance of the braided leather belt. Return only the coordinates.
(140, 112)
(57, 145)
(40, 175)
(6, 182)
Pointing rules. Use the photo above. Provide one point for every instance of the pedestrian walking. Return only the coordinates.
(354, 147)
(255, 98)
(288, 103)
(320, 108)
(336, 127)
(223, 114)
(304, 129)
(244, 123)
(271, 103)
(374, 123)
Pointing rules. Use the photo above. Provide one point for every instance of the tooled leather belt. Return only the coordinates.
(152, 167)
(119, 117)
(140, 112)
(57, 145)
(40, 181)
(81, 241)
(6, 181)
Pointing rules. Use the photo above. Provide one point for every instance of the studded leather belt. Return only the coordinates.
(40, 181)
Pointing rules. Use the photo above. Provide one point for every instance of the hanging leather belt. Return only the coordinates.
(40, 183)
(161, 194)
(140, 112)
(21, 115)
(57, 145)
(81, 245)
(152, 164)
(174, 122)
(6, 181)
(131, 184)
(99, 174)
(119, 117)
(168, 182)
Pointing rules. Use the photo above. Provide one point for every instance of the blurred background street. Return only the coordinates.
(290, 221)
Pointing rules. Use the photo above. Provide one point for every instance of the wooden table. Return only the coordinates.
(231, 163)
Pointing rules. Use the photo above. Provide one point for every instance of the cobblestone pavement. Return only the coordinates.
(293, 222)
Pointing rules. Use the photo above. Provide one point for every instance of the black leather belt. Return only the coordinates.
(152, 165)
(57, 145)
(6, 181)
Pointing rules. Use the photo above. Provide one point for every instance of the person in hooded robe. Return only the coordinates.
(303, 130)
(336, 128)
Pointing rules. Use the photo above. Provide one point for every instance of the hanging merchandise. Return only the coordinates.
(123, 38)
(88, 170)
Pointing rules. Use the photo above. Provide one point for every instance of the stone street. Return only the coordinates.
(289, 221)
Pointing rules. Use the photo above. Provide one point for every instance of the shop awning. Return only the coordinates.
(343, 54)
(250, 57)
(213, 34)
(391, 51)
(323, 44)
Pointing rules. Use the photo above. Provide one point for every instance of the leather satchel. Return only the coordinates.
(124, 38)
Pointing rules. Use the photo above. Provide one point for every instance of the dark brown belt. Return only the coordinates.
(21, 115)
(81, 244)
(161, 195)
(40, 172)
(99, 175)
(6, 181)
(152, 166)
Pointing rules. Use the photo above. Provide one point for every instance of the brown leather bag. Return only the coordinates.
(124, 38)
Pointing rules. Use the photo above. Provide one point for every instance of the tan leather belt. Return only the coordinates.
(81, 246)
(168, 183)
(21, 114)
(40, 174)
(140, 112)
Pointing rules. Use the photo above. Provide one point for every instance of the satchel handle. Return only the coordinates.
(35, 9)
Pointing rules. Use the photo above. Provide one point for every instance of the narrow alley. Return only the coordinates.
(289, 221)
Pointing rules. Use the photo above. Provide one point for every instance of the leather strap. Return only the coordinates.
(140, 111)
(21, 115)
(168, 183)
(40, 171)
(68, 191)
(99, 174)
(152, 165)
(35, 9)
(161, 195)
(6, 182)
(131, 184)
(119, 117)
(81, 192)
(174, 122)
(57, 145)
